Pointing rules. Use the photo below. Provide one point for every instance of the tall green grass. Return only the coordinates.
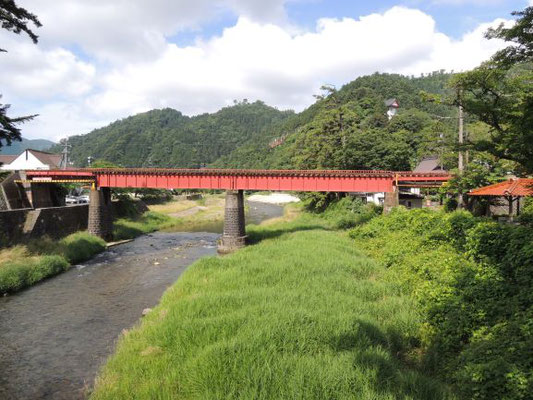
(151, 221)
(45, 257)
(300, 315)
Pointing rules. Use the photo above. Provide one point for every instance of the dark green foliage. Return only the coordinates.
(472, 278)
(450, 204)
(16, 19)
(500, 94)
(526, 216)
(8, 125)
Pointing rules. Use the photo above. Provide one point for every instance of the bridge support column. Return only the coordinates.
(392, 199)
(234, 236)
(100, 213)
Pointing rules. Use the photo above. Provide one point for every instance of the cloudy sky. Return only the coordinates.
(101, 60)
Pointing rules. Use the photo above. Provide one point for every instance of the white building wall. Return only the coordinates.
(25, 161)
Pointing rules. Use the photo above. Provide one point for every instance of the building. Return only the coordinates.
(392, 107)
(430, 164)
(31, 159)
(506, 198)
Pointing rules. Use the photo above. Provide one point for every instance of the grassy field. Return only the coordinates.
(299, 315)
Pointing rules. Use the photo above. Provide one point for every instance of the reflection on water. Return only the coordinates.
(55, 335)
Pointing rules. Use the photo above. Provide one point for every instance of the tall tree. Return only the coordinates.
(14, 19)
(500, 93)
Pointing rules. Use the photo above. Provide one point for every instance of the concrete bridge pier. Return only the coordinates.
(101, 213)
(392, 199)
(234, 236)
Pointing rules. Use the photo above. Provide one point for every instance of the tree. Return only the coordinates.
(14, 19)
(500, 94)
(8, 126)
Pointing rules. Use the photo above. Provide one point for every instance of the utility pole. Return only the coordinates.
(64, 155)
(461, 142)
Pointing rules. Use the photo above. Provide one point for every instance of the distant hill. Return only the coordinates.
(18, 147)
(345, 129)
(349, 129)
(167, 138)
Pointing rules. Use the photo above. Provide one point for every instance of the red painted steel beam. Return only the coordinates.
(229, 179)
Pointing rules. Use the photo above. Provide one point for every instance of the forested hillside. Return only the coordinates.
(349, 129)
(167, 138)
(345, 129)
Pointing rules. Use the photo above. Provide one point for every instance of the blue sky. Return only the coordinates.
(101, 60)
(453, 18)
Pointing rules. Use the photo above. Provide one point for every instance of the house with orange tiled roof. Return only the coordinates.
(31, 159)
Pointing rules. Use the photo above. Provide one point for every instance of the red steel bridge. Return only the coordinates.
(234, 181)
(237, 179)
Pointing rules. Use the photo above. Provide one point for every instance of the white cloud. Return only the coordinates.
(29, 70)
(260, 57)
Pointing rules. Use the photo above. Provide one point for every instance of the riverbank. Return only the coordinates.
(26, 264)
(301, 314)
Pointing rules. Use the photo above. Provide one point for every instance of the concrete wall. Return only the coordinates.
(12, 225)
(56, 222)
(12, 195)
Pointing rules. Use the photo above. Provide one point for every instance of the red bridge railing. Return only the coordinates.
(237, 179)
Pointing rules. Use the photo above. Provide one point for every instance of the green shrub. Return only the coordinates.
(450, 204)
(473, 280)
(349, 212)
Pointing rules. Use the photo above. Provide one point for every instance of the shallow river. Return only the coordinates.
(56, 335)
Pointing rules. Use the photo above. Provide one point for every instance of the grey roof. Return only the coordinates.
(390, 102)
(429, 164)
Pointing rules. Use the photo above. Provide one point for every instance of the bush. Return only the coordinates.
(349, 212)
(450, 204)
(473, 280)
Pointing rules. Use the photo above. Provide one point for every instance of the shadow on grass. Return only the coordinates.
(381, 353)
(256, 235)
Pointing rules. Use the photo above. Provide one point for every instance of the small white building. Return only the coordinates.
(392, 107)
(30, 159)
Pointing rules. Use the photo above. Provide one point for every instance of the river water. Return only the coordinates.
(55, 336)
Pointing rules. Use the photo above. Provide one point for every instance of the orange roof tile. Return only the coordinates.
(518, 187)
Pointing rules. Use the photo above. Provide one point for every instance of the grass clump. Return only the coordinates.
(301, 314)
(24, 265)
(20, 274)
(81, 246)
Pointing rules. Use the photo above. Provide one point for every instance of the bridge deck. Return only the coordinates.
(235, 179)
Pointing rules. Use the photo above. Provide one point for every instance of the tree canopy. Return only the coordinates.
(14, 19)
(500, 94)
